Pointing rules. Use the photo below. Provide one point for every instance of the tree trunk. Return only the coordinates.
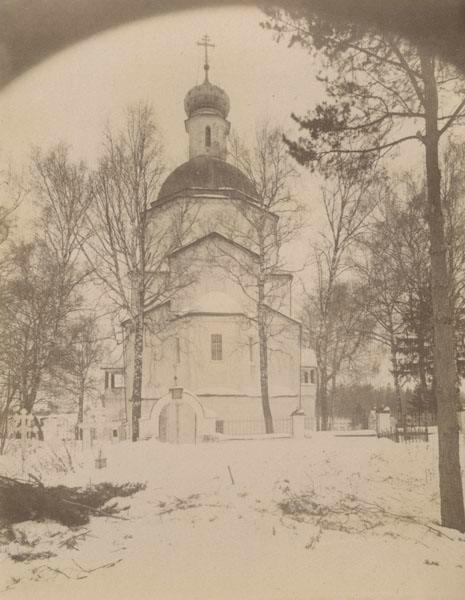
(395, 376)
(3, 430)
(136, 399)
(262, 328)
(333, 399)
(450, 479)
(423, 387)
(263, 346)
(80, 418)
(318, 391)
(324, 398)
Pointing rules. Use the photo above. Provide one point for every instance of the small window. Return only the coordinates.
(217, 346)
(107, 379)
(312, 376)
(305, 374)
(115, 433)
(208, 136)
(112, 381)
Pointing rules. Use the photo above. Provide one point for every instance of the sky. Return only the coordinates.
(71, 96)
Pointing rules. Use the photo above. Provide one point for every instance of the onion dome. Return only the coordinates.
(206, 96)
(206, 173)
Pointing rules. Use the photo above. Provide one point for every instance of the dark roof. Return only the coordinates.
(206, 173)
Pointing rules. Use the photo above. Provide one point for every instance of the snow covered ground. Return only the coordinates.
(323, 518)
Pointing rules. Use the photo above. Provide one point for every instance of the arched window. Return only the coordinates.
(208, 136)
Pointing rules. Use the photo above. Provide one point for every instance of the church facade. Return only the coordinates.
(201, 360)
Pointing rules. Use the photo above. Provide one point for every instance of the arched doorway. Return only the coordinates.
(177, 423)
(179, 418)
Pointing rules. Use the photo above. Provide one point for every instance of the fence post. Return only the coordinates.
(383, 421)
(298, 424)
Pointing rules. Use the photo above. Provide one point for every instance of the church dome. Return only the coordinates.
(205, 172)
(206, 96)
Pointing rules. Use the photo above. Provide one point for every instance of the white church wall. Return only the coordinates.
(214, 265)
(180, 354)
(284, 352)
(185, 353)
(211, 212)
(278, 292)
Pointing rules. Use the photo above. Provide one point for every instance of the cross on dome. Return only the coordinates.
(205, 42)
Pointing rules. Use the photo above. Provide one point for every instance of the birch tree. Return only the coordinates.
(43, 278)
(349, 199)
(273, 218)
(125, 246)
(80, 355)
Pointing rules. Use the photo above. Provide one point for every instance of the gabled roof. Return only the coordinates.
(212, 235)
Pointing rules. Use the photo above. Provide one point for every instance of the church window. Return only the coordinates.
(217, 346)
(305, 376)
(312, 376)
(107, 380)
(112, 381)
(208, 136)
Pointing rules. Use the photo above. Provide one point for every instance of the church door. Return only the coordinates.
(178, 423)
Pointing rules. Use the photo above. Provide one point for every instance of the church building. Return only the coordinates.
(201, 360)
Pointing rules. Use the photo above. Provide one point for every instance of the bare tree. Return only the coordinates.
(453, 194)
(339, 341)
(376, 269)
(36, 305)
(349, 200)
(11, 195)
(395, 267)
(42, 279)
(80, 354)
(126, 247)
(272, 218)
